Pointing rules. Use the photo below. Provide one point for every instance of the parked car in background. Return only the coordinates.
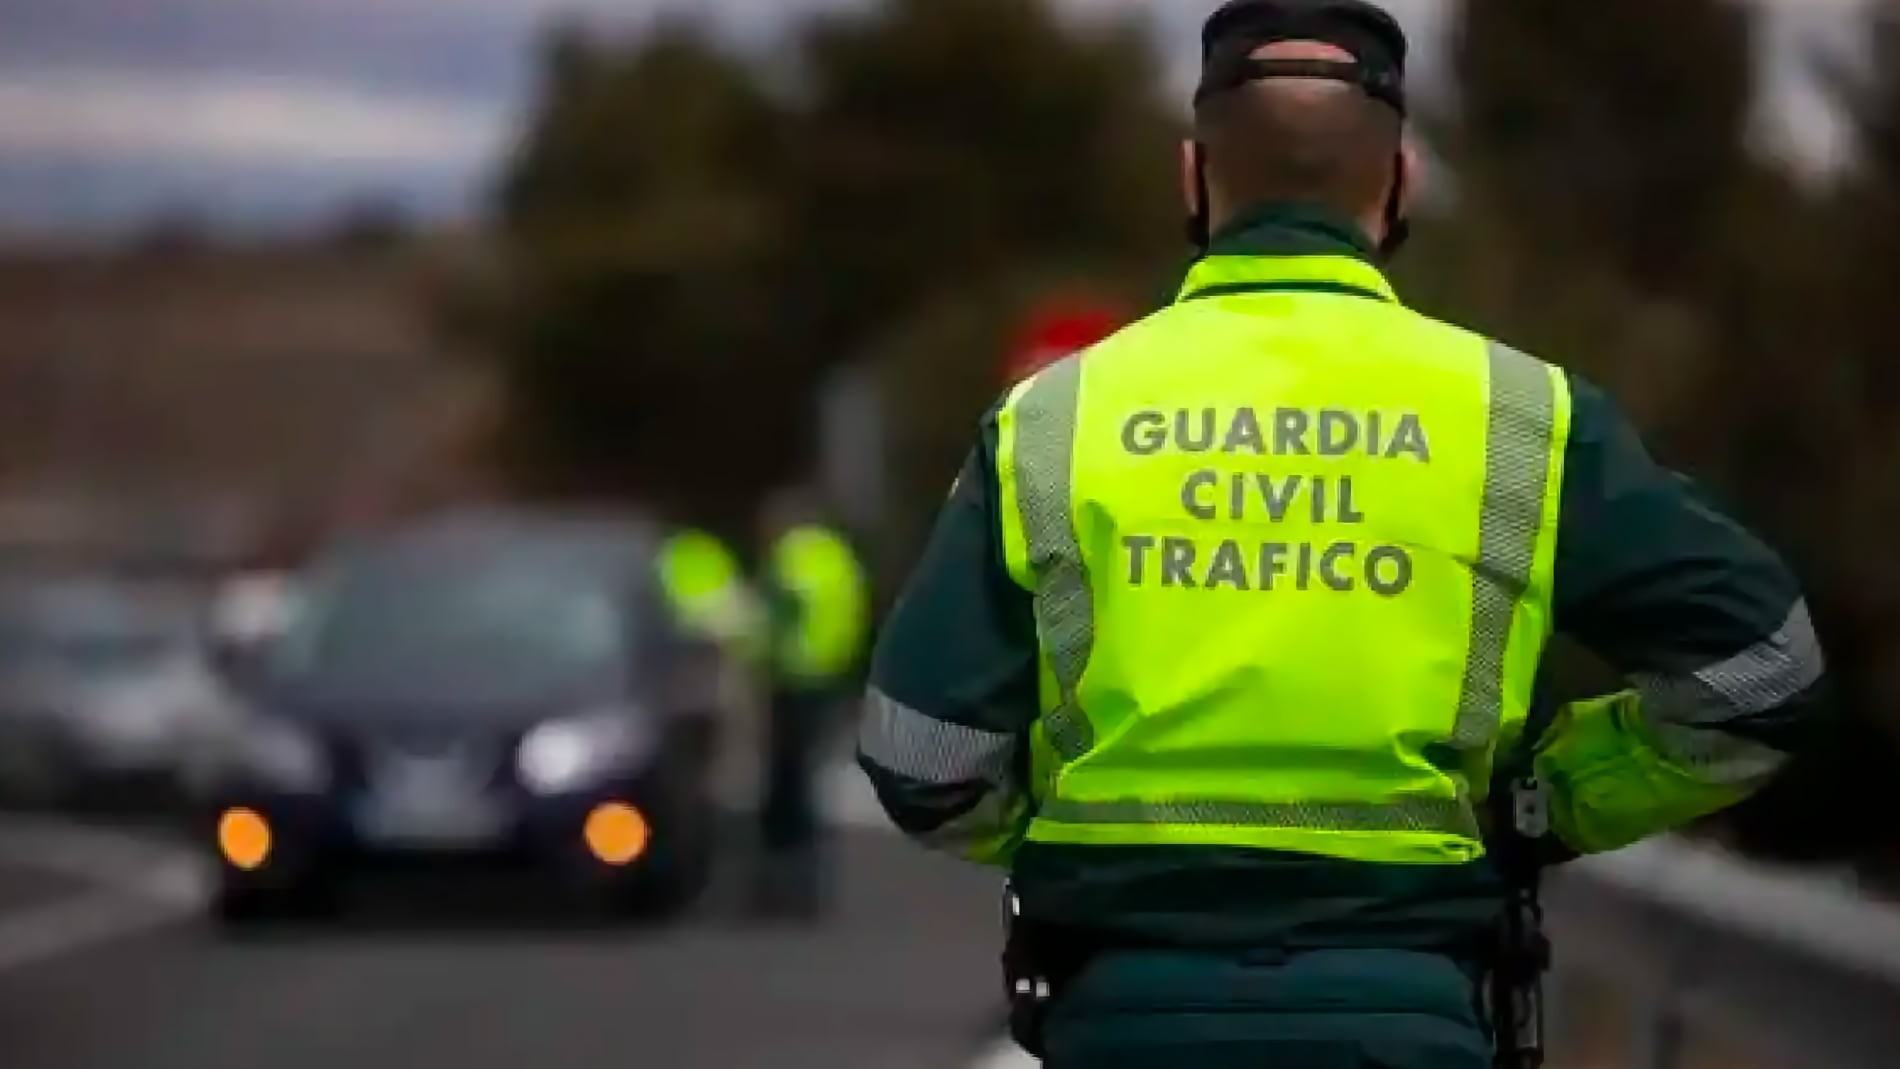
(506, 686)
(105, 691)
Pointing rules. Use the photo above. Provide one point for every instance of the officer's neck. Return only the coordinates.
(1291, 228)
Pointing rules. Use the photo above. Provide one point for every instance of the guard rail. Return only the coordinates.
(1785, 969)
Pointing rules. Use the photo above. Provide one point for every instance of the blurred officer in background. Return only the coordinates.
(818, 607)
(720, 613)
(1229, 621)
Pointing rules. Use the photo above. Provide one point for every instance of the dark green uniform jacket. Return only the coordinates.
(1647, 576)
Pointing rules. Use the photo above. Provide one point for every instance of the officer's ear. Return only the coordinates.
(1194, 194)
(1411, 177)
(1191, 192)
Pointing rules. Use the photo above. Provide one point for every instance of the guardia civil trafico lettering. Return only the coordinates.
(1313, 500)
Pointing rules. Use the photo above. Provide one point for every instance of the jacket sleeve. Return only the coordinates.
(953, 688)
(1705, 622)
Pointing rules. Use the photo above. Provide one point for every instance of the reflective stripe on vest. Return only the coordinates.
(1139, 739)
(1517, 469)
(1034, 469)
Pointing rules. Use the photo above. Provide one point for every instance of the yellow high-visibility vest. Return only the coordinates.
(1290, 546)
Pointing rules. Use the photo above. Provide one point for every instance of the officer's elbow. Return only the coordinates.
(1763, 693)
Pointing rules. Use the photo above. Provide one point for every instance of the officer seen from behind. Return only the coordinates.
(1229, 621)
(818, 611)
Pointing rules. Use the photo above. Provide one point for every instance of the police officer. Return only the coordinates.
(1229, 620)
(818, 617)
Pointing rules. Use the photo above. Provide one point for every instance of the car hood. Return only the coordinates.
(346, 709)
(64, 689)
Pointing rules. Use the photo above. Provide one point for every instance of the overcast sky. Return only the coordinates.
(272, 110)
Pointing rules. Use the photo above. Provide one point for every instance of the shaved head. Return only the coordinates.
(1308, 140)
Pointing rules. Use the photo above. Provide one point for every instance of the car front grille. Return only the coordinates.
(359, 759)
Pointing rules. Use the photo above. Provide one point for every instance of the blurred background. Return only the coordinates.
(277, 276)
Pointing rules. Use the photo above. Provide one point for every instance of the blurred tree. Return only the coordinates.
(1617, 129)
(687, 255)
(177, 231)
(1604, 180)
(1825, 441)
(957, 159)
(370, 222)
(951, 140)
(1867, 205)
(638, 224)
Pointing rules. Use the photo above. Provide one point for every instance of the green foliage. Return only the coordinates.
(956, 157)
(638, 222)
(950, 140)
(1615, 127)
(689, 254)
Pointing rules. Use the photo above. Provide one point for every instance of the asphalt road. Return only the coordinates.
(26, 889)
(900, 976)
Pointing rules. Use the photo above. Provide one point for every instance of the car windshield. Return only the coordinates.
(450, 629)
(85, 632)
(107, 651)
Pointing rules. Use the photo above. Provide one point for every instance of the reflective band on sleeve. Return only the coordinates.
(1065, 610)
(1758, 680)
(1687, 713)
(1772, 672)
(1423, 814)
(1517, 449)
(900, 739)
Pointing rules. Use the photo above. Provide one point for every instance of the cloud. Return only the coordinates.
(111, 114)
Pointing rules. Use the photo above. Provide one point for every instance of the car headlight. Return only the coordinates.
(563, 755)
(282, 755)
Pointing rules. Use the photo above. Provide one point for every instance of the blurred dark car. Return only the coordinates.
(502, 686)
(106, 692)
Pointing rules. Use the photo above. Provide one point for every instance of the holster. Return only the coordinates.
(1039, 962)
(1515, 985)
(1520, 954)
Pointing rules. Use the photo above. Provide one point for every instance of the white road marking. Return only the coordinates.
(1005, 1055)
(165, 895)
(136, 886)
(93, 855)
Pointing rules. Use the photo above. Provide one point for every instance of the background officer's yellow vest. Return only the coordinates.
(816, 569)
(707, 590)
(1291, 550)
